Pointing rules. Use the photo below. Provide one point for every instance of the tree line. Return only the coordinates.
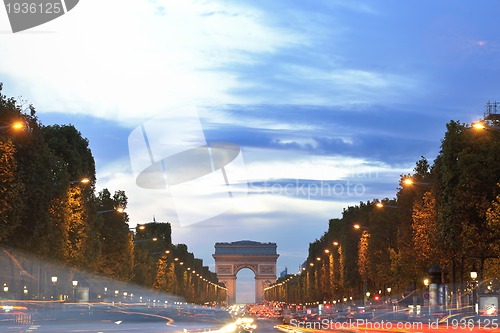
(46, 210)
(445, 214)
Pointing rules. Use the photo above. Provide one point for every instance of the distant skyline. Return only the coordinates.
(329, 101)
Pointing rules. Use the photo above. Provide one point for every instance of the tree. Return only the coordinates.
(425, 238)
(363, 261)
(10, 191)
(41, 175)
(166, 279)
(466, 173)
(151, 240)
(403, 255)
(115, 257)
(492, 268)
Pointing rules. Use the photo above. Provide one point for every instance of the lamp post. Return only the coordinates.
(426, 284)
(75, 284)
(473, 276)
(54, 282)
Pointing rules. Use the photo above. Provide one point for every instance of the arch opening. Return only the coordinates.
(245, 286)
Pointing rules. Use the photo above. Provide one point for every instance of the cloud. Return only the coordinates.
(137, 64)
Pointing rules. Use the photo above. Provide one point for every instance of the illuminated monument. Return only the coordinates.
(261, 258)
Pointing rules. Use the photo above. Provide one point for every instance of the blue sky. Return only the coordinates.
(329, 101)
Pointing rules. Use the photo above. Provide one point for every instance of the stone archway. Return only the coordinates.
(260, 258)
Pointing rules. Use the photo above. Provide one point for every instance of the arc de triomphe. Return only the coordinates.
(261, 258)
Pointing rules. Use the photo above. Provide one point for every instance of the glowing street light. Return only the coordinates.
(360, 227)
(482, 126)
(146, 240)
(54, 282)
(478, 125)
(75, 284)
(80, 181)
(383, 205)
(117, 209)
(473, 276)
(17, 125)
(409, 181)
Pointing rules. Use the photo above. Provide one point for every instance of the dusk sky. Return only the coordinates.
(326, 103)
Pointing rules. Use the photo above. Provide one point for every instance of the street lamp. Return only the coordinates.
(75, 284)
(483, 126)
(54, 282)
(389, 289)
(473, 276)
(80, 181)
(358, 227)
(17, 125)
(409, 181)
(154, 239)
(117, 209)
(5, 288)
(426, 284)
(383, 205)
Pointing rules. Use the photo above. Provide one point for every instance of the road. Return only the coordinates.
(108, 317)
(266, 325)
